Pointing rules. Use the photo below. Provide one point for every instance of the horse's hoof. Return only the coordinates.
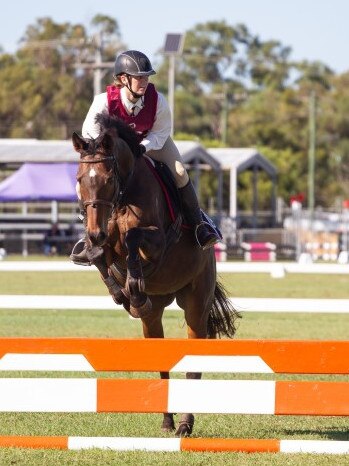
(121, 299)
(168, 424)
(118, 297)
(184, 430)
(141, 311)
(168, 429)
(185, 427)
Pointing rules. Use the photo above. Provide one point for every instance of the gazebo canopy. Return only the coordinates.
(41, 182)
(237, 160)
(241, 159)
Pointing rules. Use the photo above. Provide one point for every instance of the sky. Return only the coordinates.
(314, 29)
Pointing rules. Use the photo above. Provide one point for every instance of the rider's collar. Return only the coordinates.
(128, 104)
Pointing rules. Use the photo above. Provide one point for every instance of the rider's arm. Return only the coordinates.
(161, 129)
(100, 104)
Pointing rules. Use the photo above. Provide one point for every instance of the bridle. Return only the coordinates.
(118, 193)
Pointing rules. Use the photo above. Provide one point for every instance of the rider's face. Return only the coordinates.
(138, 84)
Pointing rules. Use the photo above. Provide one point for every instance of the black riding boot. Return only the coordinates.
(204, 233)
(79, 255)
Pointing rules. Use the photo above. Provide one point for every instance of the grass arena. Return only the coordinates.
(113, 437)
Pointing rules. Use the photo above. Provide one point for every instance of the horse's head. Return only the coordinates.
(106, 165)
(97, 182)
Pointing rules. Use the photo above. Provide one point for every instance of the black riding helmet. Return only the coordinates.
(133, 63)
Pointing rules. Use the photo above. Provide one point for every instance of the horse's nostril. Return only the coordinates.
(97, 238)
(92, 237)
(101, 236)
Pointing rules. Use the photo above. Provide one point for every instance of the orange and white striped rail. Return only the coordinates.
(176, 355)
(176, 395)
(178, 444)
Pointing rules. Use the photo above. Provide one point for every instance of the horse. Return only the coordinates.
(132, 240)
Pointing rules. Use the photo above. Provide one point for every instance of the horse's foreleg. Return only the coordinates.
(196, 316)
(113, 287)
(140, 305)
(135, 240)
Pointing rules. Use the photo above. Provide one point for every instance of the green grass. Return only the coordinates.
(114, 324)
(117, 324)
(294, 285)
(243, 285)
(35, 257)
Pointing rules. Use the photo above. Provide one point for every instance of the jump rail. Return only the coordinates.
(173, 396)
(178, 444)
(176, 355)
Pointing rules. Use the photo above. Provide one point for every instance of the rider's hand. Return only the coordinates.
(142, 148)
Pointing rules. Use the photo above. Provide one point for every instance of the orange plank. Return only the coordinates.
(242, 445)
(317, 357)
(34, 442)
(312, 398)
(137, 396)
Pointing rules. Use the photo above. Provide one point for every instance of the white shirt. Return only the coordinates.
(157, 135)
(138, 105)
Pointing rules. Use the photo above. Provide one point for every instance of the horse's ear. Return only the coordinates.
(107, 142)
(79, 143)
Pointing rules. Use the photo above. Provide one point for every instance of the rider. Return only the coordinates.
(133, 99)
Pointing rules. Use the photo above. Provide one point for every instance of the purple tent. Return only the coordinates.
(41, 182)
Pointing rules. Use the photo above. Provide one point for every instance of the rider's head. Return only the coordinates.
(132, 70)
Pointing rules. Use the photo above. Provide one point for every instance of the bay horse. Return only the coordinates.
(131, 240)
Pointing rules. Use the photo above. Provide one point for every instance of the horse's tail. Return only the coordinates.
(223, 315)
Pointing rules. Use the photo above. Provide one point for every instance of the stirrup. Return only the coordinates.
(77, 256)
(214, 238)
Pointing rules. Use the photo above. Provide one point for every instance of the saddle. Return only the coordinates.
(164, 177)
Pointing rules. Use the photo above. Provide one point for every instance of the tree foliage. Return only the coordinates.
(47, 85)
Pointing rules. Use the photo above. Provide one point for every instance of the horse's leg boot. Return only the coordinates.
(204, 233)
(114, 289)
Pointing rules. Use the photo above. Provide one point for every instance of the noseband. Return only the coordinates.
(117, 194)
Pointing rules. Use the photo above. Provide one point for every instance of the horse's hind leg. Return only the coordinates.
(186, 423)
(153, 328)
(196, 304)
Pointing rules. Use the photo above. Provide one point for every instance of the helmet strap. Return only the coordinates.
(128, 85)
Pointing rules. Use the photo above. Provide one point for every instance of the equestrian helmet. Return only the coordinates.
(133, 63)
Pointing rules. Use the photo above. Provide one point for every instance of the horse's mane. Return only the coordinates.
(124, 131)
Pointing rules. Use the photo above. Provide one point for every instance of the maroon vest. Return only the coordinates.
(142, 122)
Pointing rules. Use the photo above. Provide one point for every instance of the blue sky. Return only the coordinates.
(314, 29)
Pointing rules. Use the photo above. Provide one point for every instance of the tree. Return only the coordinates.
(40, 80)
(269, 65)
(333, 139)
